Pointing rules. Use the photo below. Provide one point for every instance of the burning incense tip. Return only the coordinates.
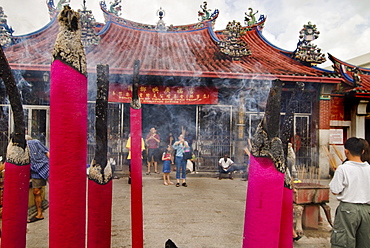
(68, 46)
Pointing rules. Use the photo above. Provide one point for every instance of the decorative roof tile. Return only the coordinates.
(191, 51)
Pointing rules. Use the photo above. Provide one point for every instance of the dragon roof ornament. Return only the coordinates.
(251, 21)
(115, 7)
(204, 14)
(307, 52)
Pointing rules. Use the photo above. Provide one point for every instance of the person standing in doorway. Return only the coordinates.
(39, 155)
(152, 140)
(351, 184)
(180, 147)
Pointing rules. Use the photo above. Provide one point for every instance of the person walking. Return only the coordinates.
(166, 158)
(180, 147)
(39, 155)
(351, 184)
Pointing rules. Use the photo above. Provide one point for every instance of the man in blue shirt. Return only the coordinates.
(39, 155)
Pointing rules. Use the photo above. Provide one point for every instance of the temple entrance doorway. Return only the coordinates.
(169, 119)
(214, 135)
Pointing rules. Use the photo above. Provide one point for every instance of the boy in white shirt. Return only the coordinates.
(351, 184)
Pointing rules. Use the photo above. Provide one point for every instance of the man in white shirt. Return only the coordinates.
(351, 184)
(226, 166)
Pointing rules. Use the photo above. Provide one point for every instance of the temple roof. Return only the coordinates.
(189, 50)
(356, 79)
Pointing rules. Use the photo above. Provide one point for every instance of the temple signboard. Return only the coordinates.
(336, 136)
(159, 94)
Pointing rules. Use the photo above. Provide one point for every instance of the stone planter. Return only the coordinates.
(308, 197)
(307, 193)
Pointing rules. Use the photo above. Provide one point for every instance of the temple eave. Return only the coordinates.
(30, 67)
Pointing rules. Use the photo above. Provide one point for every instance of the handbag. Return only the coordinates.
(187, 154)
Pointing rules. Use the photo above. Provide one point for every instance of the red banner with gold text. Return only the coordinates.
(171, 95)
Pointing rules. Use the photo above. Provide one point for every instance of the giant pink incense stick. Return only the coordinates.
(68, 136)
(100, 172)
(269, 205)
(17, 169)
(267, 223)
(99, 214)
(286, 221)
(136, 164)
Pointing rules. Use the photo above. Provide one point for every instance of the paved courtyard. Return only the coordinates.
(209, 213)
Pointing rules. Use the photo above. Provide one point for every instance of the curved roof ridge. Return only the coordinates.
(110, 17)
(19, 38)
(212, 33)
(105, 28)
(359, 81)
(263, 38)
(335, 59)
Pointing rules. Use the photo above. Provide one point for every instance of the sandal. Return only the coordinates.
(170, 182)
(165, 183)
(297, 238)
(34, 219)
(184, 184)
(177, 185)
(147, 173)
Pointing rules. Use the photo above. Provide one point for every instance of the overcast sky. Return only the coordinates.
(344, 25)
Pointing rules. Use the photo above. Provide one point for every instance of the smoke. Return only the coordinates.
(24, 88)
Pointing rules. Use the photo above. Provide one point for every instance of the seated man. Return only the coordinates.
(225, 166)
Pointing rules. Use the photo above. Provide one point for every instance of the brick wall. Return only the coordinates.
(324, 114)
(337, 108)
